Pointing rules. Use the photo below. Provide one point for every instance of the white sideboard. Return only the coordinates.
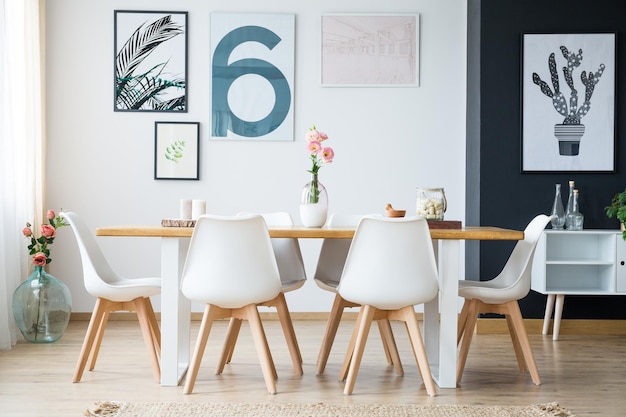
(586, 262)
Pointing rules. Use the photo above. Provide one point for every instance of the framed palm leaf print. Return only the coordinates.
(150, 70)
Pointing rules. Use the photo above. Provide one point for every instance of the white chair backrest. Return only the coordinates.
(391, 264)
(287, 250)
(515, 277)
(96, 270)
(334, 251)
(230, 262)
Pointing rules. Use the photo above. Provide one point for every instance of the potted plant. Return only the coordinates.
(617, 208)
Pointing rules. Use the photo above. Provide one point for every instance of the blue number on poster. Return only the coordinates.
(225, 74)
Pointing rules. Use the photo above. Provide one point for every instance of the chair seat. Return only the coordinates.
(326, 285)
(127, 289)
(291, 285)
(489, 292)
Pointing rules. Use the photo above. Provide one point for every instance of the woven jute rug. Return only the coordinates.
(169, 409)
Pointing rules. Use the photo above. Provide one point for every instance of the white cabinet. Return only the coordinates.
(587, 262)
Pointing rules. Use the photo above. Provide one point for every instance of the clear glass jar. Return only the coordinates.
(431, 203)
(575, 219)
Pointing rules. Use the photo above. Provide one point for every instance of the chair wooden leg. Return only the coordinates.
(95, 348)
(210, 314)
(384, 327)
(417, 343)
(154, 327)
(367, 313)
(232, 333)
(289, 332)
(468, 333)
(462, 321)
(389, 343)
(522, 336)
(519, 355)
(343, 372)
(92, 329)
(143, 314)
(260, 341)
(334, 318)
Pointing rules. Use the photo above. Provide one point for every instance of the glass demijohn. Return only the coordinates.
(41, 307)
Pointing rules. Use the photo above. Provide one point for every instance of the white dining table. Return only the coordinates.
(440, 315)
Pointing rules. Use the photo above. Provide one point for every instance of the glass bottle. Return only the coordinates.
(570, 199)
(558, 213)
(574, 220)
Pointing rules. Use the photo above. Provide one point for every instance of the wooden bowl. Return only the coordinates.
(395, 213)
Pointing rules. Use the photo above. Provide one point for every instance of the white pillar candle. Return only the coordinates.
(198, 208)
(185, 209)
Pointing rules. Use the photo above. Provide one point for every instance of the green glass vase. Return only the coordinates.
(41, 307)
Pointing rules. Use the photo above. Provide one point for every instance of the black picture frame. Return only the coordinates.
(150, 61)
(176, 151)
(568, 121)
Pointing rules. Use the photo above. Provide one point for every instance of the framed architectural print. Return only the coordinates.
(176, 150)
(150, 71)
(370, 50)
(252, 78)
(568, 102)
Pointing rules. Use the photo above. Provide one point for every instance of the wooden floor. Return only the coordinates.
(586, 374)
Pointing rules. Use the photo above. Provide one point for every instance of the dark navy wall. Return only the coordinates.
(497, 192)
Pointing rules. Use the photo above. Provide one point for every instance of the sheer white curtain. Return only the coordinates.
(22, 153)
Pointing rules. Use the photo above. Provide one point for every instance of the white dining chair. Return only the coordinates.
(500, 295)
(292, 277)
(231, 268)
(113, 293)
(389, 269)
(330, 264)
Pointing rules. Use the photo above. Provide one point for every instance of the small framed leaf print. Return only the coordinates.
(176, 150)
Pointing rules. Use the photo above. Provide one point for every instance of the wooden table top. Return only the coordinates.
(464, 233)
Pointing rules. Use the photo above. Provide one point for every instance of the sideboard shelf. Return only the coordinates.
(587, 262)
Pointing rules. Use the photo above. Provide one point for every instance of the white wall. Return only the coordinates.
(387, 141)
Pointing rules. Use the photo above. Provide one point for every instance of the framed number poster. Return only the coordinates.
(252, 76)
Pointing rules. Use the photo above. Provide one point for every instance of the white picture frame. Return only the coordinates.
(370, 50)
(252, 76)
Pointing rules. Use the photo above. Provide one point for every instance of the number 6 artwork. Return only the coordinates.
(252, 76)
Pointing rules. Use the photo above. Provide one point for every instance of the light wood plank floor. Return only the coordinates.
(586, 374)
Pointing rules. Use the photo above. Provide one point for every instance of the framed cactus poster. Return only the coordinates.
(568, 102)
(176, 150)
(150, 71)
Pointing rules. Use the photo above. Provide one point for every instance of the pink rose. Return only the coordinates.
(51, 214)
(322, 136)
(39, 259)
(27, 232)
(314, 147)
(312, 135)
(48, 231)
(328, 154)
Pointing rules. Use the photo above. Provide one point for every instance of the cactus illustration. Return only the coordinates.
(174, 152)
(574, 113)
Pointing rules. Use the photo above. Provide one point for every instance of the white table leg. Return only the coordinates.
(175, 312)
(444, 322)
(547, 316)
(558, 312)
